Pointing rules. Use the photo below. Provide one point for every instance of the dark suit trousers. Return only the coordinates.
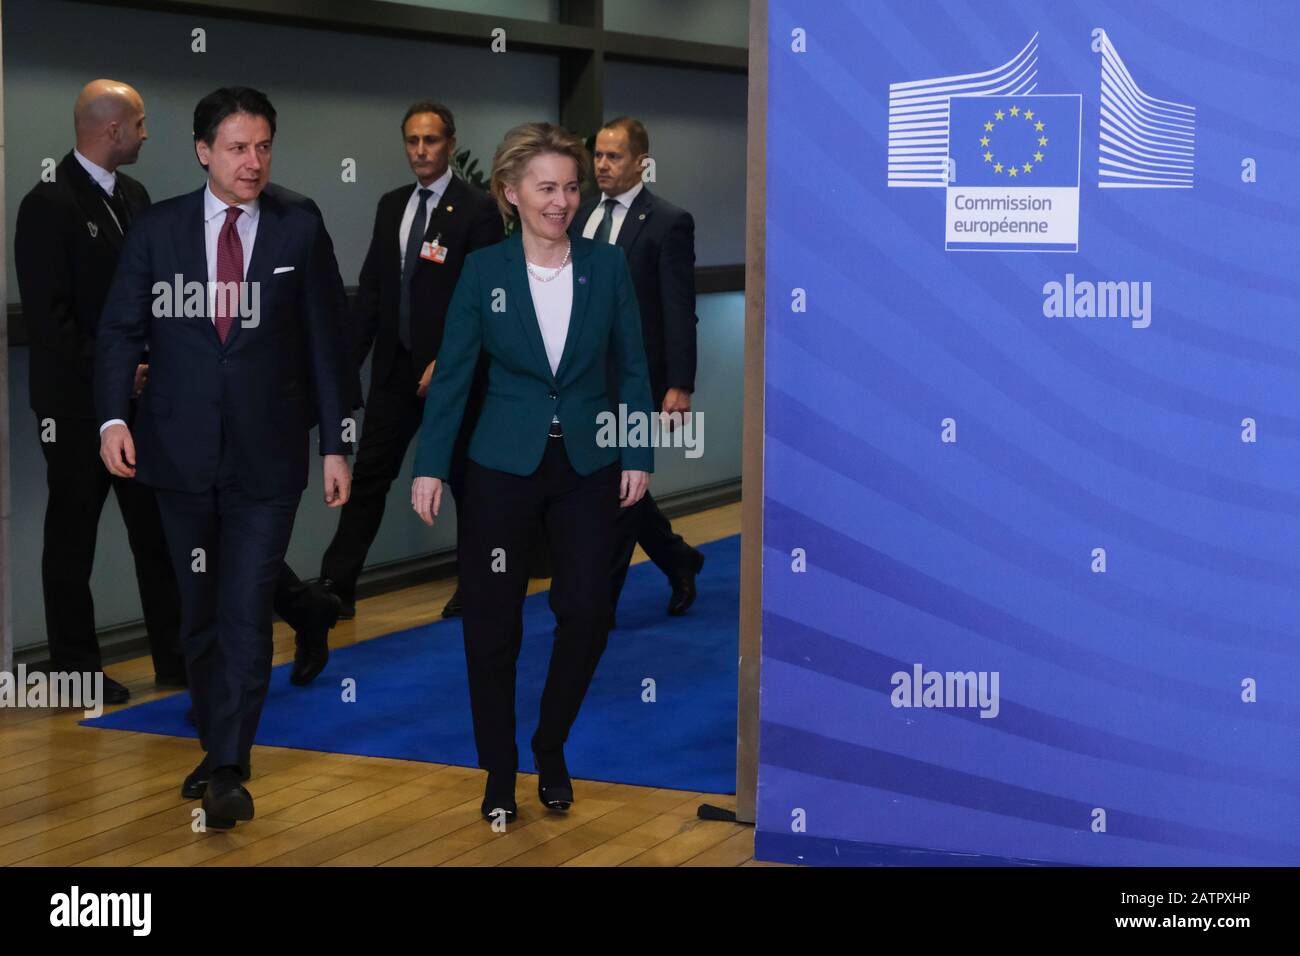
(78, 484)
(393, 414)
(643, 523)
(226, 607)
(577, 515)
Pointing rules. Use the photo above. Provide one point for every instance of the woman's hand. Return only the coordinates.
(632, 488)
(426, 498)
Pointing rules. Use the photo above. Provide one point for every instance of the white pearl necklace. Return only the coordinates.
(559, 269)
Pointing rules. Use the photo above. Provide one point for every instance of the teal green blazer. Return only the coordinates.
(492, 310)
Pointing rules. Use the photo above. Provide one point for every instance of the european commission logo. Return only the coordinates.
(1010, 157)
(1013, 173)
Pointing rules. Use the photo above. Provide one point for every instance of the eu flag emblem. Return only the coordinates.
(1013, 172)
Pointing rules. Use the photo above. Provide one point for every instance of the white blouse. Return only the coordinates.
(553, 301)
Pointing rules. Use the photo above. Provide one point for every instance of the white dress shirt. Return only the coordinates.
(104, 179)
(438, 187)
(214, 217)
(107, 181)
(624, 201)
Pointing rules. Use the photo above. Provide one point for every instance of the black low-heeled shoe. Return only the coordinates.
(554, 788)
(499, 797)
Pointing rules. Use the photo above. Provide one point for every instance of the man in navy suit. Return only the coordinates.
(659, 241)
(232, 292)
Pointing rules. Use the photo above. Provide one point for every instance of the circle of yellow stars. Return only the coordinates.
(1013, 171)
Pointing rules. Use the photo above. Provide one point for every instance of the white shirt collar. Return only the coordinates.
(625, 199)
(212, 206)
(439, 185)
(107, 181)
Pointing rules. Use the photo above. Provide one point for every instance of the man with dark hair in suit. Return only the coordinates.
(234, 294)
(423, 232)
(659, 240)
(69, 233)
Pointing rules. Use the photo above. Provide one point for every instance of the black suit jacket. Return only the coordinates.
(254, 393)
(465, 219)
(66, 246)
(659, 240)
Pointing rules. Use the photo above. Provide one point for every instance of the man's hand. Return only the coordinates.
(676, 400)
(117, 451)
(632, 488)
(424, 379)
(141, 379)
(426, 498)
(338, 481)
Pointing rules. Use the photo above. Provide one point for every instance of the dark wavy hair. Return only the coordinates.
(217, 105)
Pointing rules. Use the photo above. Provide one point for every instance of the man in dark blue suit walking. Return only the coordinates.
(659, 241)
(233, 293)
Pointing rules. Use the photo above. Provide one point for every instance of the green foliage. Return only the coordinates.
(465, 165)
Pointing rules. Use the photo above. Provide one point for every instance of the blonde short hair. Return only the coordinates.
(517, 150)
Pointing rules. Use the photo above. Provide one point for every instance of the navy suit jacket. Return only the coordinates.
(659, 241)
(288, 197)
(255, 392)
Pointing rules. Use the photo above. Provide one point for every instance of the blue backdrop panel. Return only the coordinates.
(1031, 576)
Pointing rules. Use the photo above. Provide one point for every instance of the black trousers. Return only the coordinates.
(393, 414)
(577, 515)
(78, 484)
(226, 603)
(643, 523)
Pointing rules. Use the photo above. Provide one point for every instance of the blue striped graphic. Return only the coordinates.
(885, 547)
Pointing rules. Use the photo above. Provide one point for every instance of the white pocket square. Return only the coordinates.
(279, 269)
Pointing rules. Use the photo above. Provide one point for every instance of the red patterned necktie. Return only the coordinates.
(230, 272)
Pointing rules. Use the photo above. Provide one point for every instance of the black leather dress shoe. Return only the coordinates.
(312, 648)
(453, 606)
(554, 788)
(196, 784)
(226, 800)
(115, 693)
(499, 797)
(683, 584)
(347, 604)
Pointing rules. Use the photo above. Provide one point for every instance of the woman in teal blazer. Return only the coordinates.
(552, 314)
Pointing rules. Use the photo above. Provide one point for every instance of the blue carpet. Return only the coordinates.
(412, 699)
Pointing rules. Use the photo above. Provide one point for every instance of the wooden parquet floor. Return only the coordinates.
(72, 795)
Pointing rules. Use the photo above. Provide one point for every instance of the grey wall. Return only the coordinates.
(342, 96)
(338, 96)
(705, 21)
(523, 9)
